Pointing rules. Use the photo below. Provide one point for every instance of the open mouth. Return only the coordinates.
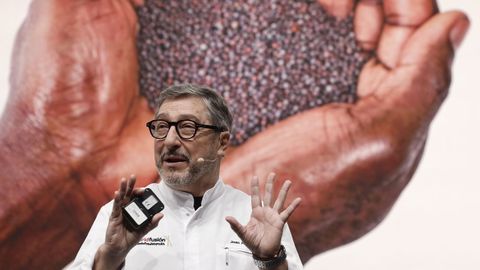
(175, 159)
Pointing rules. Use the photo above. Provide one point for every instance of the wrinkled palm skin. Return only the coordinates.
(74, 125)
(73, 102)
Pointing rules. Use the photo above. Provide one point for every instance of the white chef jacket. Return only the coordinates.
(185, 238)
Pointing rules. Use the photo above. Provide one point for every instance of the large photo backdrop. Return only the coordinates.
(74, 112)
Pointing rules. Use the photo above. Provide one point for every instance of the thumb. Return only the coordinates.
(428, 54)
(236, 226)
(438, 38)
(154, 223)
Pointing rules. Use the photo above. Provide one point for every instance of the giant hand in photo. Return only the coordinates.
(75, 124)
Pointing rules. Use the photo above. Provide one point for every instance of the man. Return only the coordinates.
(192, 131)
(75, 65)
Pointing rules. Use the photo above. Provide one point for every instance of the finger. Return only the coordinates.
(269, 189)
(236, 226)
(289, 210)
(118, 198)
(154, 223)
(432, 48)
(116, 205)
(282, 195)
(256, 202)
(443, 32)
(368, 23)
(402, 18)
(130, 185)
(137, 2)
(337, 8)
(138, 191)
(123, 188)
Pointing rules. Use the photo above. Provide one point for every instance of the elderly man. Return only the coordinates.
(192, 131)
(75, 66)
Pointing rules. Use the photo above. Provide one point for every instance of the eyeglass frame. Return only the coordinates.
(175, 124)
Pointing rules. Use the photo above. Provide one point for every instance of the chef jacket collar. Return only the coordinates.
(185, 199)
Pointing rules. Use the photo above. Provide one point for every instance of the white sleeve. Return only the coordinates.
(95, 238)
(293, 258)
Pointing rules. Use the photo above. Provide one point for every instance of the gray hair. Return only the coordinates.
(217, 106)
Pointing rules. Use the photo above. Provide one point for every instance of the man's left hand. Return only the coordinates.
(263, 232)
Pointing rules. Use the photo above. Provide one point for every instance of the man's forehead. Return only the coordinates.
(183, 107)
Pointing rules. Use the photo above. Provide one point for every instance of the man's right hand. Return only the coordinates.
(119, 240)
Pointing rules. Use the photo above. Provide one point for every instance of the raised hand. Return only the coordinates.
(119, 240)
(73, 122)
(351, 161)
(262, 234)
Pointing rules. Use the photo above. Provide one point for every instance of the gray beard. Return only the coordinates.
(172, 178)
(193, 174)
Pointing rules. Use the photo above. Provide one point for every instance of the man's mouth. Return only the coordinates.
(175, 159)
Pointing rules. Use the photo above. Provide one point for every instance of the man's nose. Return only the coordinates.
(172, 136)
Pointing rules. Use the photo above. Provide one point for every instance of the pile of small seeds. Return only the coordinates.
(269, 59)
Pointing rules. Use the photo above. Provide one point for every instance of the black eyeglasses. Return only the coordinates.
(186, 129)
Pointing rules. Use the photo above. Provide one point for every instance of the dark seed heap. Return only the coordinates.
(269, 59)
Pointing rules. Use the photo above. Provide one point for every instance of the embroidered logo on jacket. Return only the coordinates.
(156, 241)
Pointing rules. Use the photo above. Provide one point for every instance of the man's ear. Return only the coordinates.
(224, 143)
